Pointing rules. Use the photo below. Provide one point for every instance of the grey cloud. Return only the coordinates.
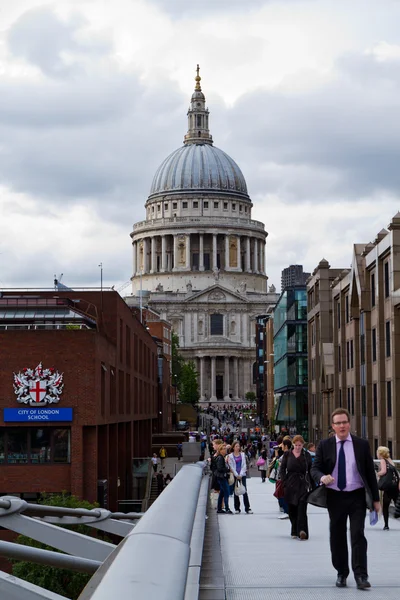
(351, 135)
(41, 38)
(102, 143)
(180, 9)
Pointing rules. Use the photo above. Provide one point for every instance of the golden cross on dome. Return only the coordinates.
(197, 80)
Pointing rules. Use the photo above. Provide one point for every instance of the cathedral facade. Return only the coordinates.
(200, 259)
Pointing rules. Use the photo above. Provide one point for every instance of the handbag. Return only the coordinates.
(240, 490)
(231, 478)
(389, 482)
(273, 474)
(279, 489)
(260, 462)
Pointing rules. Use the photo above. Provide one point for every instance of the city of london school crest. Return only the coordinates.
(38, 387)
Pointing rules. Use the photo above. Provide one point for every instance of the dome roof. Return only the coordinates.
(199, 167)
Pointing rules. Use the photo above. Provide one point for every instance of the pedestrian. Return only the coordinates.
(163, 455)
(344, 470)
(388, 482)
(296, 479)
(237, 465)
(221, 471)
(283, 505)
(262, 466)
(160, 482)
(179, 450)
(154, 460)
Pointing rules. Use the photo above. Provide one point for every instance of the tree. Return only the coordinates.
(187, 384)
(250, 396)
(61, 581)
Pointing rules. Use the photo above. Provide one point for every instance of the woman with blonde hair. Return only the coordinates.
(388, 482)
(297, 482)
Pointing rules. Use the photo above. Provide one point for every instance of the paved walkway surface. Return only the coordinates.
(259, 559)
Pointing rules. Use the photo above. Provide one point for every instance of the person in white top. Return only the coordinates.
(238, 466)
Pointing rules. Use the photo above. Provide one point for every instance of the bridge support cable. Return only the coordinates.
(47, 557)
(12, 588)
(161, 539)
(65, 540)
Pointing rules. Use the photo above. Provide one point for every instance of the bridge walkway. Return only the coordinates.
(253, 557)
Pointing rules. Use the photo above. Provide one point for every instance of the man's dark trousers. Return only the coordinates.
(342, 505)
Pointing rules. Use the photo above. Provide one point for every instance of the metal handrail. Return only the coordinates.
(147, 493)
(162, 539)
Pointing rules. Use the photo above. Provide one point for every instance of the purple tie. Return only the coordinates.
(341, 479)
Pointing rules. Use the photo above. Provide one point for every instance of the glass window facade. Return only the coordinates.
(291, 360)
(35, 446)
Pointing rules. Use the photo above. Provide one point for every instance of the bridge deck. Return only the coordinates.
(253, 557)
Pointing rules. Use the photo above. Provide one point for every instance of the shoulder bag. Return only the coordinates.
(240, 490)
(389, 482)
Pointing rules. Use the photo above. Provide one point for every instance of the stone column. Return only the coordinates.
(163, 254)
(175, 254)
(213, 380)
(227, 265)
(246, 375)
(255, 256)
(245, 334)
(134, 249)
(188, 265)
(226, 380)
(263, 246)
(145, 250)
(153, 268)
(214, 261)
(202, 398)
(238, 255)
(235, 379)
(201, 251)
(248, 265)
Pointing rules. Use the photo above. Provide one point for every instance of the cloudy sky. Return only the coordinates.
(303, 94)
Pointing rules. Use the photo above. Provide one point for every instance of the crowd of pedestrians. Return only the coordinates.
(338, 474)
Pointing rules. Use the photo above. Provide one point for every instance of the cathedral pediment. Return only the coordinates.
(216, 294)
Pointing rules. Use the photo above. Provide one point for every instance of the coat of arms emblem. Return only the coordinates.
(39, 386)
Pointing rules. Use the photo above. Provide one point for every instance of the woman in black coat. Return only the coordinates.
(296, 478)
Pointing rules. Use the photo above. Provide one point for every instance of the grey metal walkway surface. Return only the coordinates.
(260, 560)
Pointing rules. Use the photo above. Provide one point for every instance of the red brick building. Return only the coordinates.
(109, 365)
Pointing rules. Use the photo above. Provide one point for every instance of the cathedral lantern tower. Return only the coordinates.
(201, 257)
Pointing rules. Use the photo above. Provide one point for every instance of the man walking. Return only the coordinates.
(344, 469)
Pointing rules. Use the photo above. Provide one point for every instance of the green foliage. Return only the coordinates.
(187, 385)
(250, 396)
(72, 326)
(60, 581)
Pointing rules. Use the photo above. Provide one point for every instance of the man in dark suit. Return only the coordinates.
(344, 470)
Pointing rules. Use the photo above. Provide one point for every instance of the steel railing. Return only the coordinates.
(168, 537)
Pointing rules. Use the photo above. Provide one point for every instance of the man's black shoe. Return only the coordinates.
(341, 581)
(362, 583)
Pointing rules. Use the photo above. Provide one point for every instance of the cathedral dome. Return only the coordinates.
(199, 167)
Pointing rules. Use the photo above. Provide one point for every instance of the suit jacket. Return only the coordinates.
(324, 463)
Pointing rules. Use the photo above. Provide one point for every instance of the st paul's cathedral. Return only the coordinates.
(201, 258)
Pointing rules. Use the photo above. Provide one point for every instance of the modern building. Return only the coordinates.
(290, 361)
(365, 334)
(78, 393)
(292, 276)
(200, 258)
